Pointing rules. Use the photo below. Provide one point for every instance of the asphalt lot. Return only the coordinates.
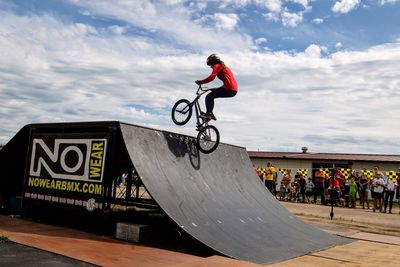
(14, 254)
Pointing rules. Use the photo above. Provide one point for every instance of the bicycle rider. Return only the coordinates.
(228, 89)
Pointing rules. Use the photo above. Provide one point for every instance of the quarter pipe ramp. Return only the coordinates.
(218, 199)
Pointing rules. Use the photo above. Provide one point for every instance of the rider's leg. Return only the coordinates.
(217, 93)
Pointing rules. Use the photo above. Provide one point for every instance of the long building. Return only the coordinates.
(308, 163)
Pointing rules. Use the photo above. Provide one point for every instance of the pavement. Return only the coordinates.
(14, 254)
(38, 244)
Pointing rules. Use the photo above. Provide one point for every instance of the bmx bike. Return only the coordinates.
(208, 136)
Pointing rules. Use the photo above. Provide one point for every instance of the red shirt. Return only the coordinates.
(335, 184)
(319, 176)
(225, 75)
(341, 178)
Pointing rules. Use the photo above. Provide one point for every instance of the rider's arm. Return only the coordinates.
(216, 69)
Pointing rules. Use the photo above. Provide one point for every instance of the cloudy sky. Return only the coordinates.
(318, 73)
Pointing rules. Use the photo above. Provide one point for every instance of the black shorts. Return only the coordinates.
(376, 195)
(269, 184)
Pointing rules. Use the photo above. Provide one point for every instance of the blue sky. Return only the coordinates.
(316, 73)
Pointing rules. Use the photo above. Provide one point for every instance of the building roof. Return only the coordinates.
(325, 156)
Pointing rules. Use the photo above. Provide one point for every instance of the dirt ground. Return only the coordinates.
(38, 244)
(359, 219)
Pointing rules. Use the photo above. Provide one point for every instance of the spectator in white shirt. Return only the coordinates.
(377, 186)
(389, 194)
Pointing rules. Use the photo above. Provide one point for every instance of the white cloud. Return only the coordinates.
(384, 2)
(274, 6)
(338, 45)
(272, 16)
(61, 71)
(173, 2)
(314, 50)
(318, 21)
(345, 6)
(288, 19)
(226, 21)
(291, 19)
(304, 3)
(261, 40)
(169, 19)
(118, 29)
(235, 3)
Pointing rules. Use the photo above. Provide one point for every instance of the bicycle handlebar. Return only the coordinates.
(201, 91)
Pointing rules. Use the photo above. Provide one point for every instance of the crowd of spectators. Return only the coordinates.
(333, 187)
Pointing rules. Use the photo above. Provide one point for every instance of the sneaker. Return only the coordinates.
(205, 116)
(208, 116)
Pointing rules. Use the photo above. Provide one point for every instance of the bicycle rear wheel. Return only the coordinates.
(181, 112)
(208, 139)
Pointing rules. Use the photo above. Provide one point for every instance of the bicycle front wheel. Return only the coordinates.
(181, 112)
(208, 139)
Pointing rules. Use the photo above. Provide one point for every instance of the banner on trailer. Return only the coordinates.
(67, 169)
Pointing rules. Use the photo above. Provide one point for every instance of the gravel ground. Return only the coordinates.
(357, 218)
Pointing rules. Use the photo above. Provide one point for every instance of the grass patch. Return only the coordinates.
(4, 239)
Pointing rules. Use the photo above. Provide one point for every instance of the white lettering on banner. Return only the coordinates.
(90, 204)
(90, 154)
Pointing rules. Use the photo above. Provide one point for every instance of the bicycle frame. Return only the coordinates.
(200, 122)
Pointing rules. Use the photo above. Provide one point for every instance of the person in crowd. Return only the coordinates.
(357, 177)
(287, 179)
(341, 179)
(309, 189)
(301, 186)
(377, 187)
(378, 171)
(319, 185)
(352, 192)
(269, 177)
(354, 174)
(293, 191)
(389, 194)
(282, 191)
(364, 190)
(345, 190)
(260, 174)
(334, 187)
(275, 181)
(398, 188)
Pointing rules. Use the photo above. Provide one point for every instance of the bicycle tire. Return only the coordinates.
(208, 139)
(181, 112)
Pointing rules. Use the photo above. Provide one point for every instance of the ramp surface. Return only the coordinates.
(218, 199)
